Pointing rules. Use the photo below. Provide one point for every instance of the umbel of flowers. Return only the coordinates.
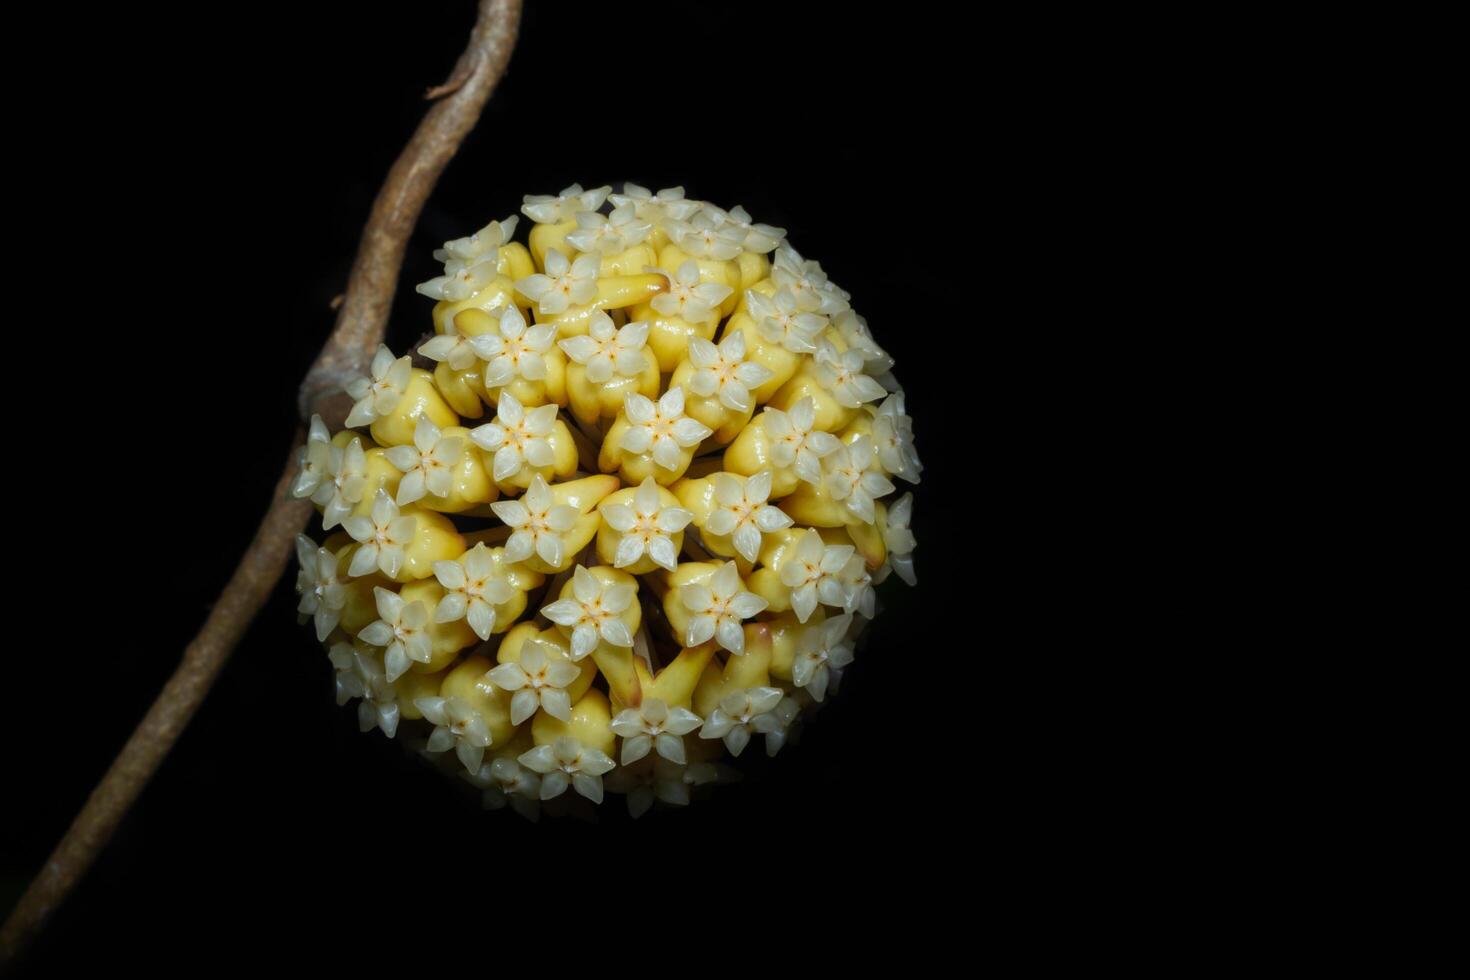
(622, 513)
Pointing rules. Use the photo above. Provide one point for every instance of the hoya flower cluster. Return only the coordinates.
(621, 514)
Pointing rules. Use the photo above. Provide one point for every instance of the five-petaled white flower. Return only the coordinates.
(724, 371)
(653, 725)
(360, 675)
(717, 608)
(517, 437)
(469, 263)
(758, 237)
(471, 590)
(340, 494)
(549, 209)
(383, 536)
(457, 726)
(819, 647)
(646, 527)
(742, 713)
(660, 779)
(706, 236)
(899, 540)
(858, 586)
(451, 347)
(893, 439)
(813, 573)
(779, 320)
(564, 284)
(514, 351)
(807, 282)
(568, 762)
(661, 427)
(786, 713)
(507, 781)
(794, 444)
(537, 681)
(667, 205)
(620, 230)
(379, 394)
(842, 375)
(606, 348)
(740, 510)
(853, 330)
(315, 460)
(687, 296)
(322, 594)
(402, 629)
(428, 464)
(594, 611)
(850, 475)
(538, 522)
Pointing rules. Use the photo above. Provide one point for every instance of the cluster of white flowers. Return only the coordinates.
(485, 588)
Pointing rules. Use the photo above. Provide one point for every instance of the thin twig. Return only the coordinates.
(361, 322)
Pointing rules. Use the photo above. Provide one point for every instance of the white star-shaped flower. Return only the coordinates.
(360, 675)
(379, 394)
(795, 444)
(457, 726)
(617, 232)
(758, 237)
(687, 296)
(568, 762)
(539, 522)
(812, 573)
(383, 536)
(427, 465)
(858, 587)
(594, 611)
(514, 351)
(893, 440)
(606, 349)
(518, 438)
(507, 781)
(742, 713)
(785, 713)
(548, 209)
(741, 511)
(340, 494)
(899, 540)
(471, 590)
(806, 281)
(451, 347)
(853, 330)
(718, 608)
(842, 375)
(322, 594)
(723, 371)
(661, 427)
(704, 236)
(850, 476)
(402, 629)
(819, 647)
(660, 780)
(537, 681)
(646, 527)
(470, 263)
(667, 205)
(654, 725)
(315, 460)
(779, 320)
(564, 284)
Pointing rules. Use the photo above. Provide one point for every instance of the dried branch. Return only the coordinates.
(361, 322)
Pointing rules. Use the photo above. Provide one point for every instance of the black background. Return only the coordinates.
(242, 157)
